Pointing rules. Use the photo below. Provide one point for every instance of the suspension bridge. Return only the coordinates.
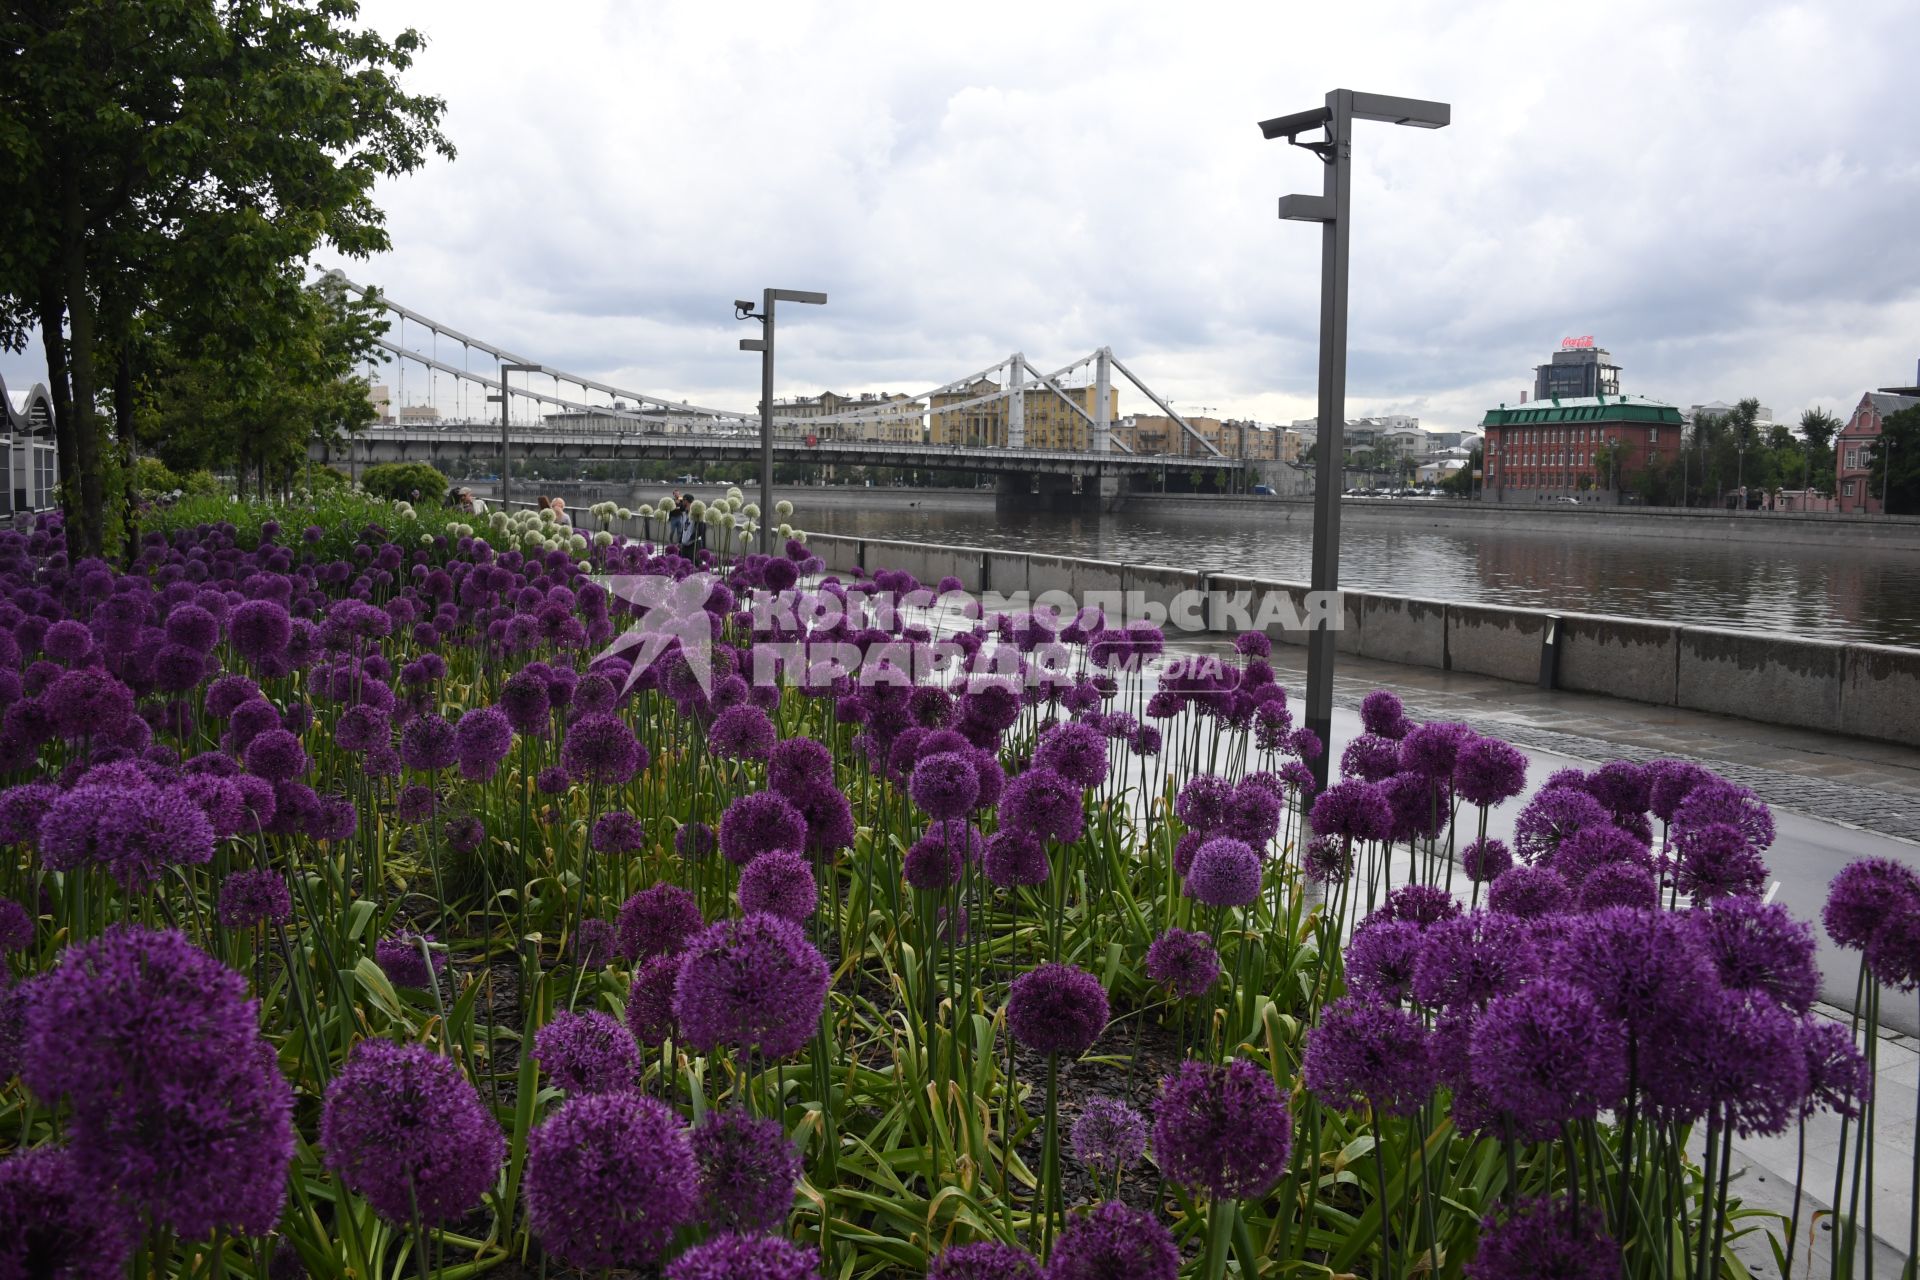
(1048, 437)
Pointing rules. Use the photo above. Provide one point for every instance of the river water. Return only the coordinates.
(1820, 592)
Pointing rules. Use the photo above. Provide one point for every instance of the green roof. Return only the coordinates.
(1584, 409)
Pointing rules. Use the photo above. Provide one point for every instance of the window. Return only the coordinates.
(1847, 488)
(1853, 463)
(1653, 436)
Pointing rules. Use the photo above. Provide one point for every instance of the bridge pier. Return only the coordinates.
(1020, 491)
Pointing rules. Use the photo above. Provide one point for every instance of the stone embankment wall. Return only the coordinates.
(1870, 691)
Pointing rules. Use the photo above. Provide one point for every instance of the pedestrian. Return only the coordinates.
(560, 515)
(677, 524)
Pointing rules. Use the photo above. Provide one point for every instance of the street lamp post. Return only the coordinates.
(506, 469)
(1331, 210)
(764, 345)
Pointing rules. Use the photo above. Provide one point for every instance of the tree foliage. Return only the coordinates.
(1894, 463)
(414, 482)
(170, 168)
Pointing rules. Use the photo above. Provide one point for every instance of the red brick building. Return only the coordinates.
(1561, 448)
(1853, 448)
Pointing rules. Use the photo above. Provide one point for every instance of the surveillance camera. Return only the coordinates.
(744, 308)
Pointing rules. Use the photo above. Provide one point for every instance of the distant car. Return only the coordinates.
(1263, 490)
(1565, 498)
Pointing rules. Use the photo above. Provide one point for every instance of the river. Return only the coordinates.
(1867, 594)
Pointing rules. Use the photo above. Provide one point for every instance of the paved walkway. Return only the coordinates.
(1872, 786)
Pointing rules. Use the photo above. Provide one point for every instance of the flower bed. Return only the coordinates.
(388, 898)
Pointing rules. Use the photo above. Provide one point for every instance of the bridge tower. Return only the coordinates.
(1102, 399)
(1017, 401)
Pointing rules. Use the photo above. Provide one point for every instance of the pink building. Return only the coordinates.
(1853, 447)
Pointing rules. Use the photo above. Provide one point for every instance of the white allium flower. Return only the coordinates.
(497, 520)
(585, 566)
(577, 543)
(734, 494)
(783, 508)
(603, 539)
(623, 513)
(751, 511)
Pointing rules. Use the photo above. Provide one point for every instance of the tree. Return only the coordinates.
(1609, 464)
(1462, 483)
(401, 480)
(1817, 429)
(179, 160)
(1893, 461)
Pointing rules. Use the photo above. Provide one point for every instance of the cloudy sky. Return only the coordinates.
(1722, 192)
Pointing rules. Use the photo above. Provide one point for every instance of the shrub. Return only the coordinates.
(398, 480)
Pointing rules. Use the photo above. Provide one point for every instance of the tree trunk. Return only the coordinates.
(53, 324)
(83, 535)
(123, 429)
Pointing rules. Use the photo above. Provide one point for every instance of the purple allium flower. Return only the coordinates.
(741, 733)
(1430, 750)
(650, 1000)
(402, 1126)
(1671, 781)
(481, 741)
(601, 749)
(1529, 892)
(797, 762)
(1551, 816)
(523, 700)
(617, 831)
(260, 630)
(1590, 848)
(945, 785)
(464, 834)
(1326, 860)
(694, 840)
(176, 1102)
(1254, 815)
(609, 1179)
(1838, 1077)
(738, 1257)
(1075, 751)
(1370, 758)
(1715, 803)
(1470, 959)
(136, 832)
(22, 808)
(552, 780)
(1488, 771)
(1423, 904)
(1483, 860)
(985, 1260)
(757, 822)
(586, 1053)
(1382, 957)
(1015, 858)
(1354, 810)
(1893, 953)
(594, 944)
(427, 744)
(254, 897)
(1758, 946)
(1550, 1056)
(194, 627)
(658, 921)
(748, 1170)
(399, 958)
(226, 693)
(53, 1224)
(16, 927)
(1623, 786)
(1108, 1136)
(1862, 895)
(1640, 965)
(1225, 873)
(1716, 861)
(67, 641)
(1223, 1130)
(1619, 884)
(1544, 1238)
(1203, 802)
(1185, 963)
(752, 984)
(1363, 1050)
(276, 755)
(1114, 1240)
(779, 882)
(1383, 714)
(1056, 1008)
(1043, 804)
(1731, 1053)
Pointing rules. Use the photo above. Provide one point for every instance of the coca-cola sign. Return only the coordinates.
(1576, 344)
